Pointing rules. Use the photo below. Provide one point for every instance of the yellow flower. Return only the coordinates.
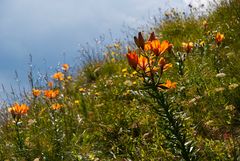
(58, 76)
(97, 94)
(124, 70)
(36, 92)
(134, 72)
(202, 43)
(69, 77)
(77, 102)
(51, 93)
(82, 89)
(56, 106)
(65, 67)
(187, 46)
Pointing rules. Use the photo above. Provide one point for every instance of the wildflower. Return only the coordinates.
(230, 107)
(202, 43)
(128, 83)
(65, 67)
(50, 84)
(220, 75)
(233, 86)
(168, 85)
(117, 45)
(134, 73)
(36, 92)
(156, 47)
(58, 76)
(124, 70)
(69, 77)
(77, 102)
(187, 46)
(18, 110)
(51, 93)
(56, 106)
(142, 62)
(219, 38)
(139, 41)
(132, 59)
(97, 94)
(163, 65)
(220, 89)
(205, 24)
(113, 60)
(82, 89)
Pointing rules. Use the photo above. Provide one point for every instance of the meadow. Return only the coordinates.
(172, 93)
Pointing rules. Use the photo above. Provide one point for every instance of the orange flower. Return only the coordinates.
(157, 47)
(18, 109)
(142, 63)
(139, 41)
(51, 93)
(163, 65)
(50, 84)
(36, 92)
(132, 59)
(168, 85)
(58, 76)
(65, 67)
(56, 106)
(187, 46)
(219, 38)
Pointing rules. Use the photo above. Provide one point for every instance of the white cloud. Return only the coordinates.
(47, 28)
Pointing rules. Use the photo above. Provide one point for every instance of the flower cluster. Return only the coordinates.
(148, 60)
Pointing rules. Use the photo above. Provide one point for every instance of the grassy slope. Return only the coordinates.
(109, 117)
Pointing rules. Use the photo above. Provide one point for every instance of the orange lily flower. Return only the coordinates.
(164, 66)
(58, 76)
(139, 41)
(50, 84)
(219, 38)
(36, 92)
(168, 85)
(18, 110)
(51, 93)
(65, 67)
(157, 47)
(142, 62)
(187, 46)
(132, 59)
(56, 106)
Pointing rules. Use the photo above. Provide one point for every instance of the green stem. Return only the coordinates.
(175, 126)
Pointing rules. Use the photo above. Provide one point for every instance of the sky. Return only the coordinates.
(53, 30)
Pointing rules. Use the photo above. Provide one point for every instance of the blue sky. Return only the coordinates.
(48, 28)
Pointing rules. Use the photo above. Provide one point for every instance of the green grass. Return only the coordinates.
(107, 115)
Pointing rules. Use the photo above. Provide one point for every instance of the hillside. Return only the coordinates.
(173, 95)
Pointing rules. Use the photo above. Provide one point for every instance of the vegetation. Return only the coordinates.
(174, 95)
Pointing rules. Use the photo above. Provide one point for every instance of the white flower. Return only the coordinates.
(220, 75)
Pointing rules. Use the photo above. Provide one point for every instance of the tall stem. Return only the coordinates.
(175, 125)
